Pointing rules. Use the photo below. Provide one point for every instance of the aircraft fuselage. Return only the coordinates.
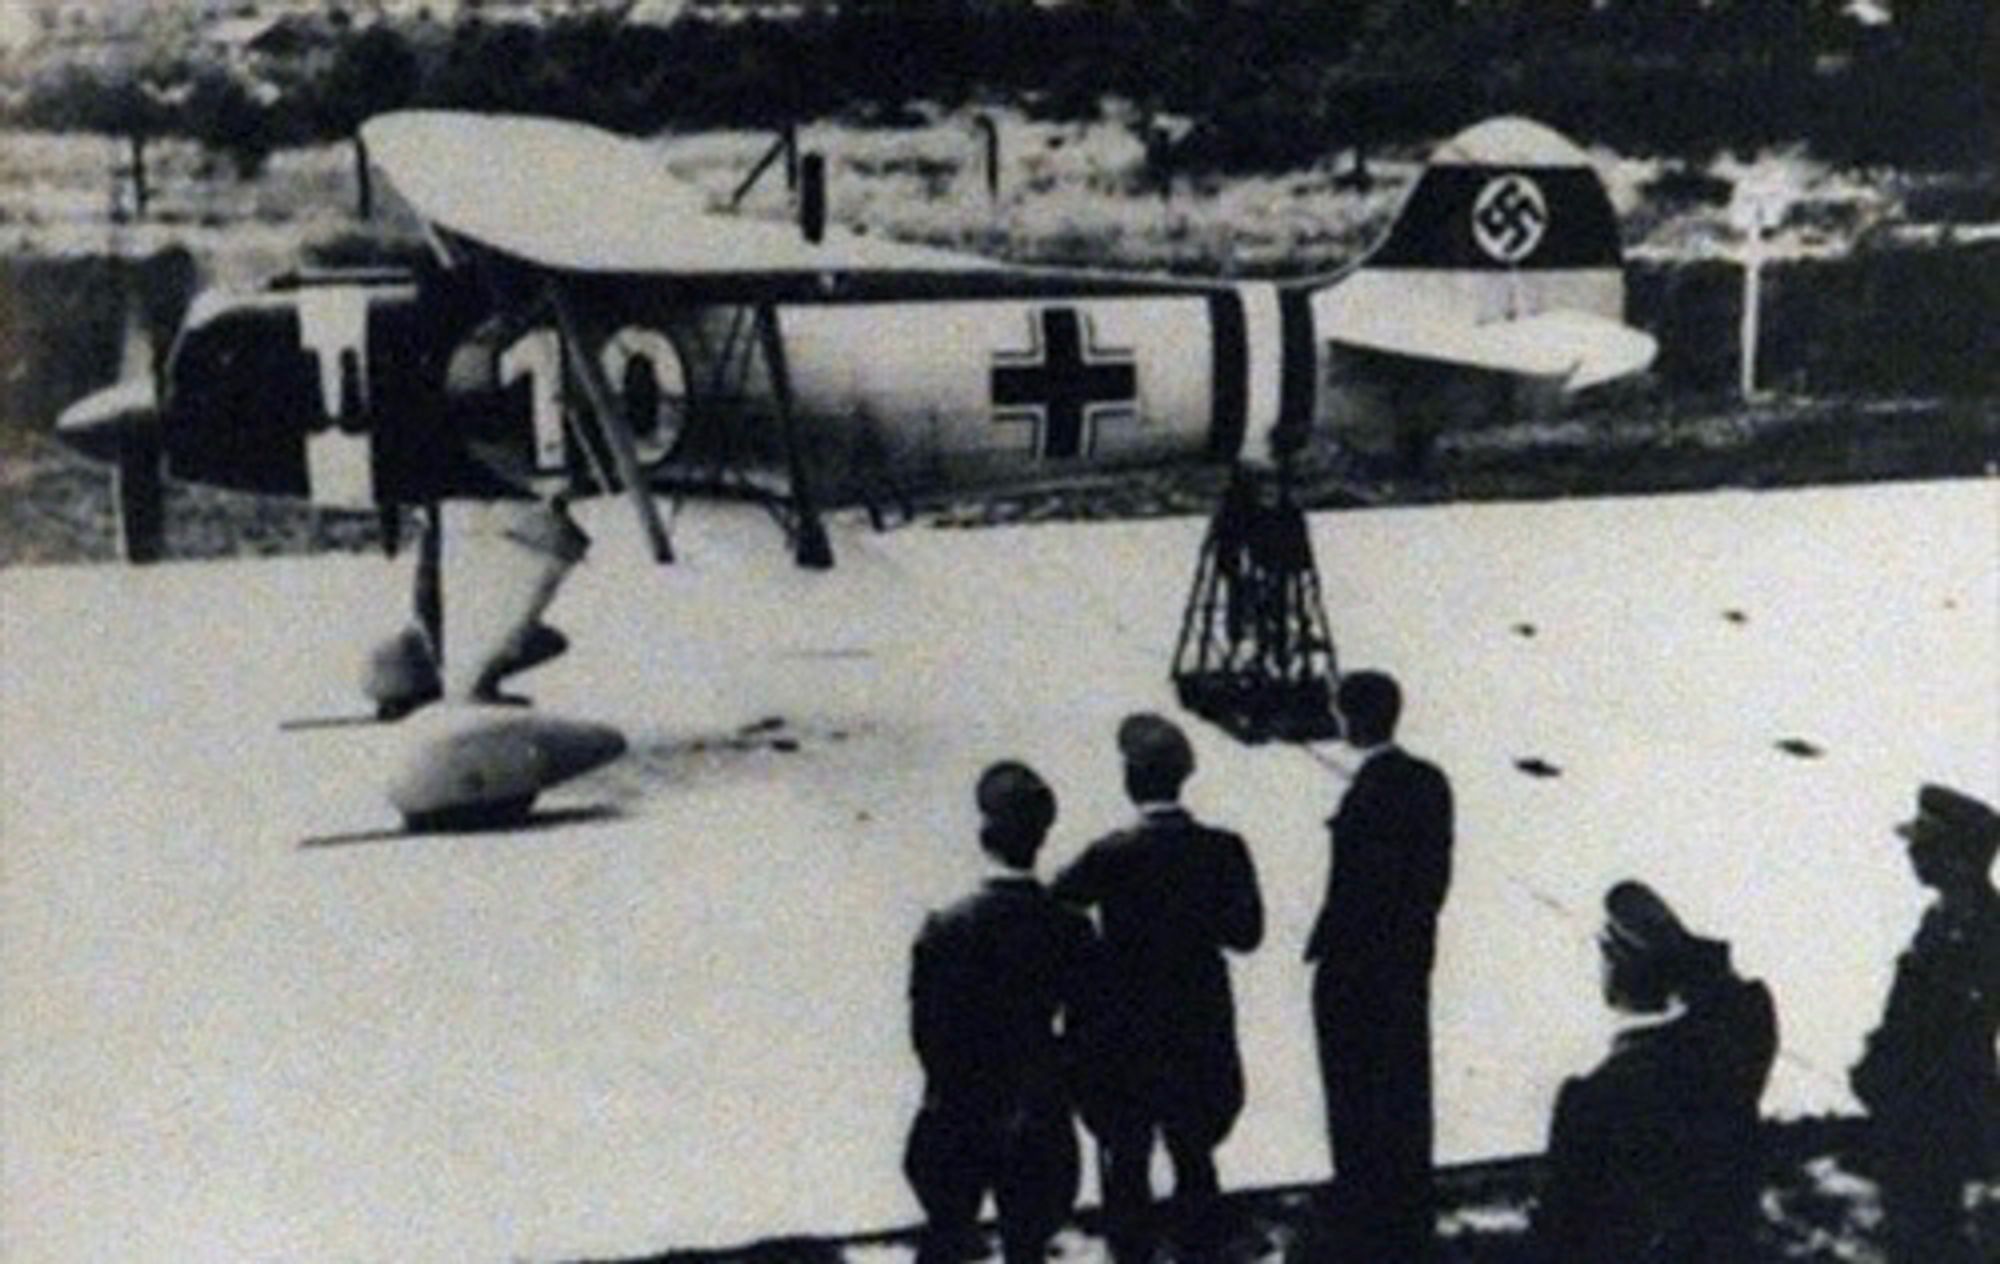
(336, 391)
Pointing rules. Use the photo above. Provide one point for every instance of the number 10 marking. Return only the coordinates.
(538, 356)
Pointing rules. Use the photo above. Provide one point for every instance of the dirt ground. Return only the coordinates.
(1819, 1206)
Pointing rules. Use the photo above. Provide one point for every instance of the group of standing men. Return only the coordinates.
(1025, 1013)
(1022, 1008)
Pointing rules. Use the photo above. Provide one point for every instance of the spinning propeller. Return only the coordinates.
(120, 425)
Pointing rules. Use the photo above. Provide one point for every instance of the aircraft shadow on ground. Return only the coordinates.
(660, 761)
(535, 823)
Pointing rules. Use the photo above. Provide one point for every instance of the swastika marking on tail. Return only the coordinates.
(1509, 218)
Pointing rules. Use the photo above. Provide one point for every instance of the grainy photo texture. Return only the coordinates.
(942, 630)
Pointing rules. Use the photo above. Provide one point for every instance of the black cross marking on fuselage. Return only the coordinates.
(1062, 377)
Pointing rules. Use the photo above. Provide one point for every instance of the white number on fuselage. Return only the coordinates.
(538, 356)
(633, 355)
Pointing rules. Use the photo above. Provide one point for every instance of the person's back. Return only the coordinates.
(1159, 1054)
(1933, 1051)
(1172, 894)
(1393, 840)
(996, 979)
(1728, 1041)
(990, 975)
(1371, 949)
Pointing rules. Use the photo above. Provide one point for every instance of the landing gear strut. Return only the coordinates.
(1255, 657)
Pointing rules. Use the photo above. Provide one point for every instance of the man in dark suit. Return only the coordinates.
(1654, 1155)
(1373, 946)
(1928, 1076)
(994, 980)
(1171, 895)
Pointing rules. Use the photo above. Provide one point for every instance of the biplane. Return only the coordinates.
(588, 325)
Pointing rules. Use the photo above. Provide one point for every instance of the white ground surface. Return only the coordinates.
(673, 1014)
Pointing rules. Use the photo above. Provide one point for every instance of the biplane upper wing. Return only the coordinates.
(575, 198)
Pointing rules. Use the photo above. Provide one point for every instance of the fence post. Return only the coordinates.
(1755, 211)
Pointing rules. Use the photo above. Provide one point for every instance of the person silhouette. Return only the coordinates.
(1372, 948)
(996, 979)
(1653, 1156)
(1927, 1073)
(1171, 894)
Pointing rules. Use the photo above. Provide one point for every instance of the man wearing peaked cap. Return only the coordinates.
(1171, 895)
(1653, 1155)
(1956, 820)
(1928, 1075)
(996, 981)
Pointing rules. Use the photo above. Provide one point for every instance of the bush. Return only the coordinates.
(1910, 322)
(1681, 187)
(1270, 84)
(221, 113)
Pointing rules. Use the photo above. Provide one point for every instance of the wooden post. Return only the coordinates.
(1753, 276)
(812, 197)
(991, 131)
(364, 182)
(140, 193)
(1755, 212)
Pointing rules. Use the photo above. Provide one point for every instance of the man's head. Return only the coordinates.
(1370, 702)
(1952, 839)
(1016, 808)
(1158, 757)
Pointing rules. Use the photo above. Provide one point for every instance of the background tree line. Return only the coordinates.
(1265, 84)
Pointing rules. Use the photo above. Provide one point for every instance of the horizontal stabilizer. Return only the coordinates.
(1574, 349)
(1606, 349)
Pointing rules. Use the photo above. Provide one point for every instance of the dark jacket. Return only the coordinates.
(994, 981)
(1391, 866)
(990, 978)
(1653, 1156)
(1374, 942)
(1928, 1075)
(1171, 895)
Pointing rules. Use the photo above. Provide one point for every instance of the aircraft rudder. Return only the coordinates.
(1507, 195)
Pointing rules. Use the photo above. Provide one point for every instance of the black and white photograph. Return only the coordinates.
(1003, 631)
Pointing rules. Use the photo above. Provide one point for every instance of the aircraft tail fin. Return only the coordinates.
(1506, 197)
(1504, 257)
